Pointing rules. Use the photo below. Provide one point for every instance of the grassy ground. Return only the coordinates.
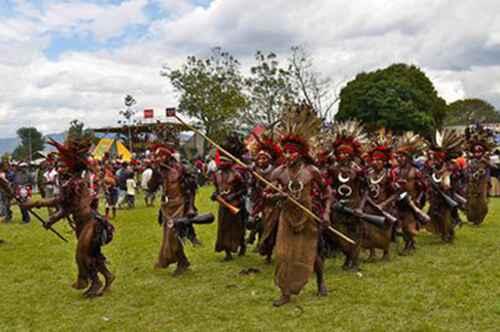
(440, 288)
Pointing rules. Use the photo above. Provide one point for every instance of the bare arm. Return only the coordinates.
(48, 202)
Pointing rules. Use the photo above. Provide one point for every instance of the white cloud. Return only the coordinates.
(457, 43)
(175, 7)
(103, 22)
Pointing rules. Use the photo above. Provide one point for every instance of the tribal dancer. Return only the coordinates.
(346, 177)
(264, 214)
(378, 193)
(179, 188)
(92, 230)
(230, 187)
(479, 144)
(411, 188)
(297, 252)
(443, 208)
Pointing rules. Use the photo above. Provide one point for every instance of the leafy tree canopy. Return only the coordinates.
(469, 111)
(400, 97)
(32, 141)
(211, 90)
(78, 131)
(269, 89)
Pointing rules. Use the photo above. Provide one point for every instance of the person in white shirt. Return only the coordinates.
(149, 195)
(51, 179)
(131, 186)
(211, 168)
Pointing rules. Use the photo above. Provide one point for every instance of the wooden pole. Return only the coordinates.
(261, 178)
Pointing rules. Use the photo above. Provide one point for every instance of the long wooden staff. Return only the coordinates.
(261, 178)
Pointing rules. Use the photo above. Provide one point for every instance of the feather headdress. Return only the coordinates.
(410, 143)
(73, 153)
(299, 123)
(264, 144)
(448, 144)
(349, 137)
(381, 145)
(161, 150)
(320, 148)
(479, 136)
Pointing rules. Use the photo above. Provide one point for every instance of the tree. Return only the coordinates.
(211, 90)
(399, 97)
(269, 88)
(468, 111)
(128, 115)
(4, 161)
(32, 141)
(309, 85)
(77, 131)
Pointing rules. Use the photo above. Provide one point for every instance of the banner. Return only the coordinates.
(148, 113)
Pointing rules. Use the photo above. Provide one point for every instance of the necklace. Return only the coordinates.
(436, 179)
(343, 179)
(377, 181)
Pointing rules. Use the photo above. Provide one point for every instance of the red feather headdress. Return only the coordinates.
(298, 125)
(160, 150)
(264, 144)
(73, 153)
(349, 137)
(381, 146)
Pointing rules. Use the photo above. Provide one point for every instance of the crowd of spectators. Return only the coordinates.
(112, 181)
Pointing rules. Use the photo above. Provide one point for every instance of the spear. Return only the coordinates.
(4, 186)
(171, 113)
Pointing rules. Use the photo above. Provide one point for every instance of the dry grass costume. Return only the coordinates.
(479, 144)
(346, 177)
(264, 214)
(92, 230)
(443, 209)
(177, 201)
(297, 252)
(230, 187)
(379, 189)
(410, 189)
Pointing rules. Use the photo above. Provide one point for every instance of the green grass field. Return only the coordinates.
(441, 287)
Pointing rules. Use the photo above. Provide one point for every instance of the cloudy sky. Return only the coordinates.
(76, 59)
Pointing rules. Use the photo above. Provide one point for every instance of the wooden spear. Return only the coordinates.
(261, 178)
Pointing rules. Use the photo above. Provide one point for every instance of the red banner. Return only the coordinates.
(148, 113)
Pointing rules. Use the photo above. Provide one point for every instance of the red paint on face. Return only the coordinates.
(262, 161)
(290, 156)
(341, 156)
(378, 164)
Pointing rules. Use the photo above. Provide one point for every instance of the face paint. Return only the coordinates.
(378, 164)
(402, 159)
(291, 153)
(262, 160)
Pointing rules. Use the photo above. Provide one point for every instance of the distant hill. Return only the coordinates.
(8, 145)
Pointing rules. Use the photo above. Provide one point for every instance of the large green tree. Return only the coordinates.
(269, 89)
(32, 141)
(78, 131)
(400, 97)
(211, 90)
(469, 111)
